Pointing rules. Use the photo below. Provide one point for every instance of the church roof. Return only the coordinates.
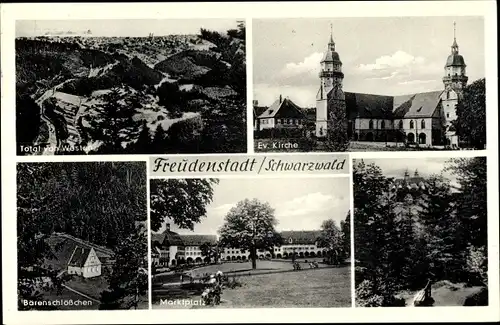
(455, 60)
(278, 105)
(197, 240)
(331, 56)
(416, 105)
(308, 237)
(368, 105)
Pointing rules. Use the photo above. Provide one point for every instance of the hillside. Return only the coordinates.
(70, 91)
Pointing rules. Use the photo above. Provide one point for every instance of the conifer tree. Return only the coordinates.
(128, 281)
(143, 145)
(113, 123)
(337, 136)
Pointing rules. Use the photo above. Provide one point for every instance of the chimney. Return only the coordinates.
(167, 227)
(281, 99)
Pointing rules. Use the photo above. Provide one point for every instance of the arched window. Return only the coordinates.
(370, 124)
(400, 124)
(422, 124)
(447, 95)
(412, 124)
(382, 125)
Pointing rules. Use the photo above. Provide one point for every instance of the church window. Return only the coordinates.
(447, 95)
(382, 125)
(370, 124)
(412, 125)
(400, 124)
(447, 115)
(422, 124)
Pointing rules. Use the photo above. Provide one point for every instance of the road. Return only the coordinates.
(52, 137)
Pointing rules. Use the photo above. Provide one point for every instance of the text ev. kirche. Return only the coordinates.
(258, 165)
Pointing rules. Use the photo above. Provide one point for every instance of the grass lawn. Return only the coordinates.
(232, 268)
(326, 287)
(91, 287)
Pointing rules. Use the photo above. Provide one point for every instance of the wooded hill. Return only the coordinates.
(405, 237)
(175, 80)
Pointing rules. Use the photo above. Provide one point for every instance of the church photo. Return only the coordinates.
(347, 84)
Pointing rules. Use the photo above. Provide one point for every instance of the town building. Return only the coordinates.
(84, 262)
(420, 118)
(171, 249)
(167, 248)
(77, 256)
(283, 113)
(302, 243)
(192, 244)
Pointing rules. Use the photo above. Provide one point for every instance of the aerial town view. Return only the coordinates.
(137, 87)
(257, 246)
(347, 85)
(82, 241)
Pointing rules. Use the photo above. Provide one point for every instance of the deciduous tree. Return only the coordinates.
(250, 225)
(183, 201)
(471, 114)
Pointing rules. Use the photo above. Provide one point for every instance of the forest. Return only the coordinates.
(406, 237)
(98, 202)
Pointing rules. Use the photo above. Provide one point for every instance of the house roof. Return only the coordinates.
(197, 240)
(79, 256)
(168, 238)
(300, 237)
(63, 246)
(416, 105)
(278, 105)
(258, 110)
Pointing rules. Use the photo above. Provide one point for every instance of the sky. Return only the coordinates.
(123, 27)
(396, 167)
(383, 55)
(299, 203)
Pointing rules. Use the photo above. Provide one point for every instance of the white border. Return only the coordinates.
(248, 11)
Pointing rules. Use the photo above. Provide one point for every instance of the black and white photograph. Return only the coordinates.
(82, 236)
(249, 243)
(369, 84)
(420, 232)
(130, 86)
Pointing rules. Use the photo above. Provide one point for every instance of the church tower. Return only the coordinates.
(454, 80)
(331, 77)
(454, 70)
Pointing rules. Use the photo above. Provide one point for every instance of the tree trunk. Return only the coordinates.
(253, 253)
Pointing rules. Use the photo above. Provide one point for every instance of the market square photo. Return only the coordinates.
(246, 243)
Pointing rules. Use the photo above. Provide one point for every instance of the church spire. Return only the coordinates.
(331, 43)
(454, 46)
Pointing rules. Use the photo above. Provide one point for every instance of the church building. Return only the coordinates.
(423, 118)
